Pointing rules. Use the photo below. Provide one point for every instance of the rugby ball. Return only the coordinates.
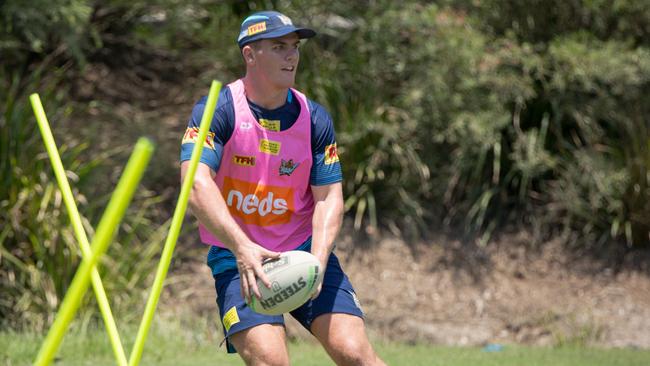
(294, 277)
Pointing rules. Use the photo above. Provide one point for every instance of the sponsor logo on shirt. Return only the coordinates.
(258, 204)
(272, 125)
(331, 154)
(245, 126)
(243, 160)
(269, 147)
(256, 28)
(288, 166)
(192, 135)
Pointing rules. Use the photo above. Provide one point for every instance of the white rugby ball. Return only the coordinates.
(294, 277)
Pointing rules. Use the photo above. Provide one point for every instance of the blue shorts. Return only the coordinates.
(336, 296)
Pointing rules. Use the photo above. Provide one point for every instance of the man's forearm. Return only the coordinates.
(327, 220)
(209, 207)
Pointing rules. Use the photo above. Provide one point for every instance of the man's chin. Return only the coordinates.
(286, 83)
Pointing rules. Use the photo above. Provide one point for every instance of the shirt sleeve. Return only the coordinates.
(326, 167)
(221, 129)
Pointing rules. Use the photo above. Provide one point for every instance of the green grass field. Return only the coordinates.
(173, 347)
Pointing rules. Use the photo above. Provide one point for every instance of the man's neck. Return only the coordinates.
(263, 95)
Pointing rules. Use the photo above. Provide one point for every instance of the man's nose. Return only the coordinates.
(292, 54)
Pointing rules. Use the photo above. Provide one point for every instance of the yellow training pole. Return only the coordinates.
(175, 228)
(77, 226)
(105, 230)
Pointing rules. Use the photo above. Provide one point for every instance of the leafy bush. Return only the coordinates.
(482, 129)
(602, 141)
(53, 27)
(39, 254)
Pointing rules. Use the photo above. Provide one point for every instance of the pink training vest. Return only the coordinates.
(264, 178)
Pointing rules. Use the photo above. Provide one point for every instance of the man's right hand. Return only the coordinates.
(249, 264)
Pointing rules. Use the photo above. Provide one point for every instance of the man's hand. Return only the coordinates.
(249, 264)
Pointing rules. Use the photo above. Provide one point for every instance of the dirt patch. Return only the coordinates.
(453, 293)
(457, 294)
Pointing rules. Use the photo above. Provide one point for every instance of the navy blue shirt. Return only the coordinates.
(223, 125)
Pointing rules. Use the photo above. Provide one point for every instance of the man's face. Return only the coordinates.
(277, 59)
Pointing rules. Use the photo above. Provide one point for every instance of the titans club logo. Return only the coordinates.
(287, 167)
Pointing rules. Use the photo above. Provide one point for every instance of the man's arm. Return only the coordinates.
(209, 207)
(327, 220)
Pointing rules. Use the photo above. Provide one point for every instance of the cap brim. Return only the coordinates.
(305, 33)
(302, 33)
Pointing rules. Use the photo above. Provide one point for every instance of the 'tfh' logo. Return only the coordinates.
(284, 294)
(244, 160)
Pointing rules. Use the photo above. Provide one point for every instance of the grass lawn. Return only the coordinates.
(182, 348)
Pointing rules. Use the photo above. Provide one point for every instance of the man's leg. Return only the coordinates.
(263, 344)
(259, 339)
(335, 318)
(345, 340)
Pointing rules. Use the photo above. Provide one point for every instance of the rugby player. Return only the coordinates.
(269, 180)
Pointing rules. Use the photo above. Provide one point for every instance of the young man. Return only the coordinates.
(270, 181)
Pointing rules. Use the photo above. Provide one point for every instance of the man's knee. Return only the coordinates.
(263, 345)
(352, 351)
(345, 339)
(264, 357)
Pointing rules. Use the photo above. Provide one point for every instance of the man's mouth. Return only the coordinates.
(289, 68)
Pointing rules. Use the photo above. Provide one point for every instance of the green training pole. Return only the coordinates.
(77, 226)
(105, 230)
(175, 228)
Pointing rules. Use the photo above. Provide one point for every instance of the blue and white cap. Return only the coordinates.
(269, 24)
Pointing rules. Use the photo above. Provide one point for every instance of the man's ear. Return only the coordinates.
(249, 54)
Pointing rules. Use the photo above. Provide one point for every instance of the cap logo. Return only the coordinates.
(256, 28)
(285, 19)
